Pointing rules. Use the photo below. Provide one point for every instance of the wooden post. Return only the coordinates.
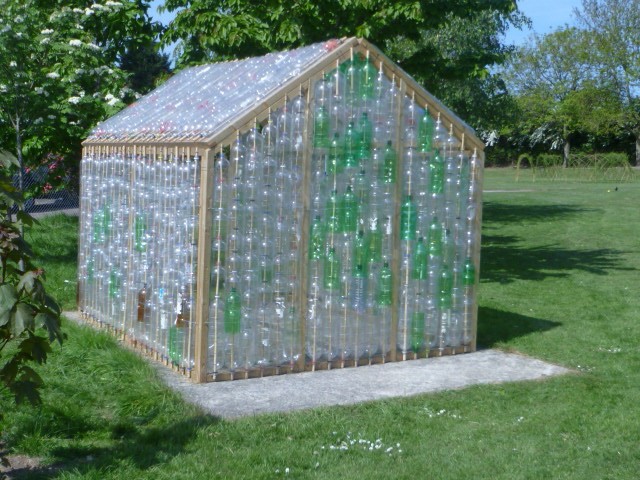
(395, 229)
(476, 179)
(204, 264)
(303, 270)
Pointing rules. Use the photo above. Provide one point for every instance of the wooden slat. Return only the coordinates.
(204, 265)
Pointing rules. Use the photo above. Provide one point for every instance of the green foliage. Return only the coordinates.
(59, 75)
(25, 307)
(599, 167)
(614, 26)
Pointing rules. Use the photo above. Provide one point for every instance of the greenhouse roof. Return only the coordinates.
(203, 104)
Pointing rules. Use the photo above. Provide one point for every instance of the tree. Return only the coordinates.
(58, 73)
(211, 30)
(553, 82)
(26, 310)
(614, 26)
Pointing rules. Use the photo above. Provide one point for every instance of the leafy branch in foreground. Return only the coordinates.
(26, 310)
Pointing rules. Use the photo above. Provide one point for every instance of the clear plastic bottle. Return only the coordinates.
(388, 171)
(419, 269)
(425, 133)
(317, 239)
(332, 271)
(139, 228)
(365, 137)
(332, 213)
(358, 289)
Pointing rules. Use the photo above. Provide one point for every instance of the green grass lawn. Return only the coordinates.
(559, 281)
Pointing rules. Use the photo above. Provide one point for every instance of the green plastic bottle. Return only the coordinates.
(349, 211)
(417, 331)
(385, 286)
(425, 133)
(321, 128)
(388, 171)
(361, 187)
(368, 76)
(365, 134)
(419, 270)
(334, 163)
(332, 212)
(98, 234)
(350, 147)
(232, 312)
(436, 173)
(331, 274)
(317, 239)
(435, 239)
(139, 228)
(408, 219)
(374, 243)
(468, 273)
(114, 284)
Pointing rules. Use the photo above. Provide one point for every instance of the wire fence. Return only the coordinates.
(46, 192)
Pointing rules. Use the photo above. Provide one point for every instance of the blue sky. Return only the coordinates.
(546, 16)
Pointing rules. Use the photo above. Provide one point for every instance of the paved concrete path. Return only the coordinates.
(285, 393)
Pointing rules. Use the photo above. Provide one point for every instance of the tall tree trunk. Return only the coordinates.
(565, 156)
(638, 149)
(20, 180)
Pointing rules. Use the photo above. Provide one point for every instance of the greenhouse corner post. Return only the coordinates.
(304, 232)
(478, 168)
(203, 265)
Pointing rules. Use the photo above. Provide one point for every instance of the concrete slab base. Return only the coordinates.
(298, 391)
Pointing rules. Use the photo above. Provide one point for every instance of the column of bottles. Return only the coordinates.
(353, 177)
(437, 298)
(253, 319)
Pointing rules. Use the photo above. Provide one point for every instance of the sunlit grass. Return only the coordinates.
(559, 274)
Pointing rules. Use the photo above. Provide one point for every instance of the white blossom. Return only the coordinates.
(113, 4)
(51, 117)
(113, 102)
(74, 100)
(81, 93)
(78, 10)
(109, 96)
(19, 34)
(97, 6)
(38, 121)
(18, 19)
(79, 71)
(79, 27)
(46, 31)
(93, 46)
(45, 40)
(12, 63)
(53, 75)
(39, 90)
(74, 42)
(3, 88)
(88, 12)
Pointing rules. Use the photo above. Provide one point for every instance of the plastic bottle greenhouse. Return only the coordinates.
(304, 210)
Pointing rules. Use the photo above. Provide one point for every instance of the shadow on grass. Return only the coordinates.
(497, 212)
(498, 326)
(140, 447)
(504, 258)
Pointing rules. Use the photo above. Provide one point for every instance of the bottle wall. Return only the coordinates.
(253, 315)
(138, 249)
